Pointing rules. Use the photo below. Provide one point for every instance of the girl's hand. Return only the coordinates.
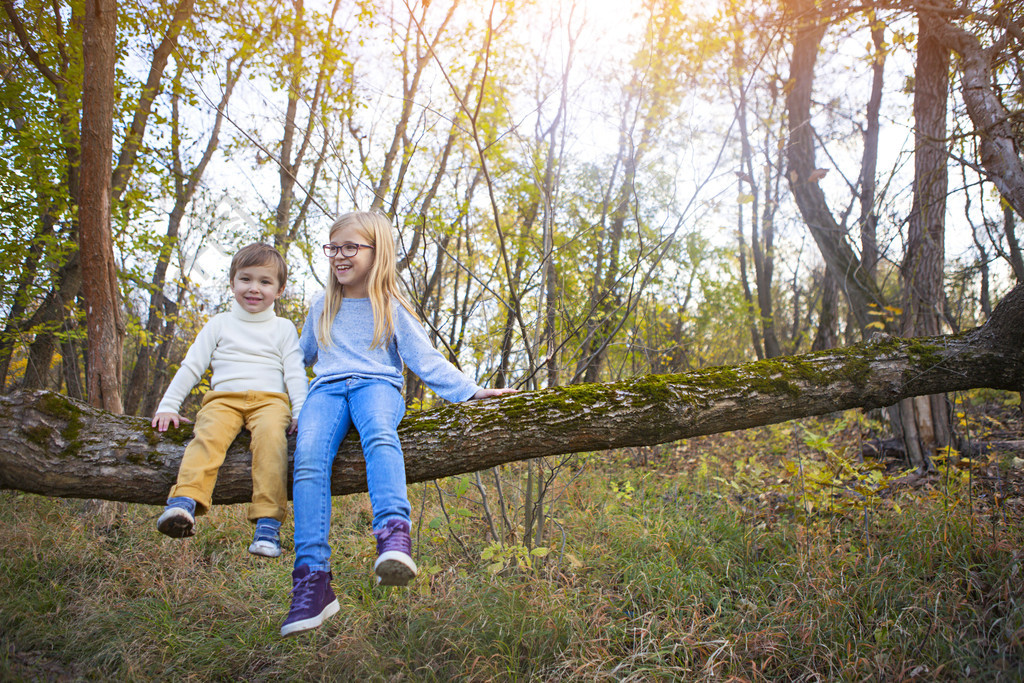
(162, 420)
(294, 426)
(488, 393)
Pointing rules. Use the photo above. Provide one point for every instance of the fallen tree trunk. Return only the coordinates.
(55, 446)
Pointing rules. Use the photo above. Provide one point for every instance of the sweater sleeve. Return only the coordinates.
(429, 364)
(294, 370)
(196, 360)
(308, 346)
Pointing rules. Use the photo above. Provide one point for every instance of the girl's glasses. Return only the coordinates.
(348, 250)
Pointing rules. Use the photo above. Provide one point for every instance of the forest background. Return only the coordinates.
(583, 192)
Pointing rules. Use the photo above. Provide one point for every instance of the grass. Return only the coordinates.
(678, 576)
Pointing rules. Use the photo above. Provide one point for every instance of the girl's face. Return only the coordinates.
(352, 272)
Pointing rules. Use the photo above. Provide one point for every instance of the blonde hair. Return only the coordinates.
(382, 280)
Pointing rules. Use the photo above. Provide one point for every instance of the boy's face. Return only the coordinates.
(256, 287)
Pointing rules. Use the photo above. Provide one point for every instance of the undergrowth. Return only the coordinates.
(771, 554)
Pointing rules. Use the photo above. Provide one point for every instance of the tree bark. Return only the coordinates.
(1016, 261)
(827, 336)
(869, 161)
(55, 446)
(104, 320)
(925, 419)
(854, 280)
(1000, 157)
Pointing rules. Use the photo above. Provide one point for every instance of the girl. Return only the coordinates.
(357, 336)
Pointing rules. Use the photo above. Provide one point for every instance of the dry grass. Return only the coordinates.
(704, 567)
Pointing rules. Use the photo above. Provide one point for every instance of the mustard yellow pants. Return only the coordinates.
(266, 414)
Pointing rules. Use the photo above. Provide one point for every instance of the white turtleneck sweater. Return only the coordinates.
(247, 352)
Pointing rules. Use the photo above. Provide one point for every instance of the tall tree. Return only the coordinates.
(995, 127)
(99, 273)
(84, 214)
(297, 136)
(759, 187)
(832, 238)
(925, 419)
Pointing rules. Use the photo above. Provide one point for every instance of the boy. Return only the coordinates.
(257, 366)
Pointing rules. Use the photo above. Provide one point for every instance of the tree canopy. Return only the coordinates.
(622, 192)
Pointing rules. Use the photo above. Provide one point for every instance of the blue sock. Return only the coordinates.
(183, 502)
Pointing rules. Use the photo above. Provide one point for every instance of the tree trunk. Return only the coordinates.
(1009, 229)
(856, 283)
(869, 161)
(762, 222)
(827, 336)
(104, 320)
(52, 445)
(50, 315)
(133, 141)
(1000, 157)
(925, 419)
(748, 297)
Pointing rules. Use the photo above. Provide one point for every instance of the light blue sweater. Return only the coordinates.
(351, 356)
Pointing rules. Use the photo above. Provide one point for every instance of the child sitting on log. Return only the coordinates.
(359, 335)
(257, 367)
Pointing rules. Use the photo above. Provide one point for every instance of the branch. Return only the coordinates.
(999, 154)
(26, 45)
(53, 445)
(132, 141)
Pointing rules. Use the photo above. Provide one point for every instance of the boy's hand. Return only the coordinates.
(488, 393)
(294, 426)
(162, 420)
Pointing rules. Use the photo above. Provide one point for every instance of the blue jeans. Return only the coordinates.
(375, 408)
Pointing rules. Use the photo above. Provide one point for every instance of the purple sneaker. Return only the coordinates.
(313, 601)
(394, 566)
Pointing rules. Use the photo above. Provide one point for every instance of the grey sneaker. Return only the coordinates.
(313, 601)
(176, 522)
(394, 565)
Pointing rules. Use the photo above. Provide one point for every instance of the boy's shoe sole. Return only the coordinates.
(311, 623)
(176, 523)
(394, 568)
(265, 549)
